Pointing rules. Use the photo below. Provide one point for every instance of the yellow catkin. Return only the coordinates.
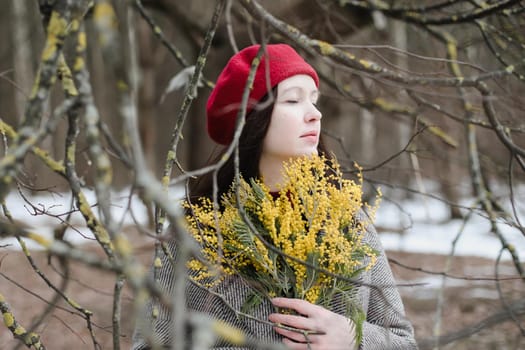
(326, 48)
(122, 86)
(123, 245)
(44, 242)
(104, 12)
(79, 64)
(9, 319)
(19, 330)
(51, 163)
(229, 333)
(366, 64)
(81, 42)
(56, 31)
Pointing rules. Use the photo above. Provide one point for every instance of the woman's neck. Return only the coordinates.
(270, 170)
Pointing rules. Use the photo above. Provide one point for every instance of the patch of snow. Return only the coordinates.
(46, 212)
(422, 226)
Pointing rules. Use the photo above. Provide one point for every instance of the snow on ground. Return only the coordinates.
(423, 226)
(419, 225)
(56, 207)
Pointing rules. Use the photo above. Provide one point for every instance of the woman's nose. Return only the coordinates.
(313, 113)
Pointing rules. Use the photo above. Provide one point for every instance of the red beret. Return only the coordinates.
(225, 99)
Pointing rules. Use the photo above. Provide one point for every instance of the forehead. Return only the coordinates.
(300, 81)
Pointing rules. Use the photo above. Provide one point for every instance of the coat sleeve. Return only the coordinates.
(156, 329)
(386, 325)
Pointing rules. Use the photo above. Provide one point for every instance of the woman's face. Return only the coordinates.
(295, 123)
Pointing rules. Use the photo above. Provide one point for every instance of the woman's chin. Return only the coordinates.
(302, 152)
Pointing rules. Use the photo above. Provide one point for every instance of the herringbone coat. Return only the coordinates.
(386, 325)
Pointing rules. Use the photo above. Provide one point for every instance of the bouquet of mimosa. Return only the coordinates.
(306, 241)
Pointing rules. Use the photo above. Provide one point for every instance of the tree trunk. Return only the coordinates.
(23, 70)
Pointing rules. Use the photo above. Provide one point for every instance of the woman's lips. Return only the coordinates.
(310, 136)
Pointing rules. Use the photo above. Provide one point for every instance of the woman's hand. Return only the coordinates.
(323, 329)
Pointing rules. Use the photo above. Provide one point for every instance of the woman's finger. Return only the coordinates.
(296, 345)
(300, 337)
(334, 331)
(303, 307)
(294, 321)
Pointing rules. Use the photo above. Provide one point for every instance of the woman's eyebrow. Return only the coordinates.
(299, 88)
(291, 88)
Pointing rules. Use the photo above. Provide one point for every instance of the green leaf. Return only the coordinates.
(253, 300)
(258, 191)
(312, 274)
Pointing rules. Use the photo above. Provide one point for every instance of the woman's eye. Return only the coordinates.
(292, 101)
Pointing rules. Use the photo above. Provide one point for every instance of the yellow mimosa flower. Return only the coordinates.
(306, 242)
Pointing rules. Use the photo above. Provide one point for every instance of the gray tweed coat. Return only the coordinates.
(386, 326)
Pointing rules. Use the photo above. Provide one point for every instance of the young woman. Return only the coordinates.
(282, 122)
